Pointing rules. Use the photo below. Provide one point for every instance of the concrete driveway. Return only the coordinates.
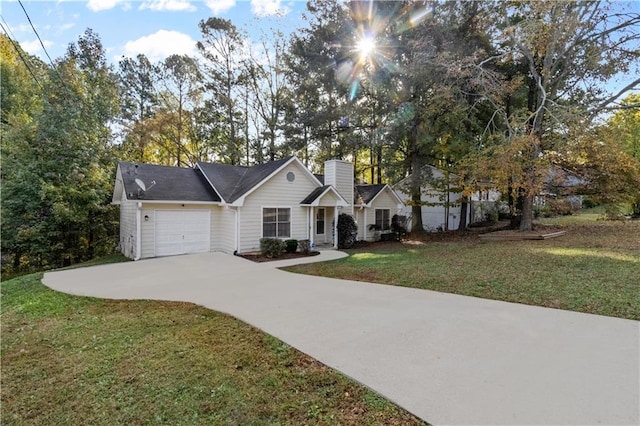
(448, 359)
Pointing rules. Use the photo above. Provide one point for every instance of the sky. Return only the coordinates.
(157, 28)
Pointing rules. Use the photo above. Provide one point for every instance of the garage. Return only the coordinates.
(182, 231)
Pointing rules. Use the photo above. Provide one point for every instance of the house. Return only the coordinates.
(441, 209)
(220, 207)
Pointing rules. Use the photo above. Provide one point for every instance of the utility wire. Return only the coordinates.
(55, 69)
(36, 32)
(19, 51)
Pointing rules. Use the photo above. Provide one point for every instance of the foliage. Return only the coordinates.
(347, 231)
(57, 176)
(272, 247)
(538, 39)
(291, 246)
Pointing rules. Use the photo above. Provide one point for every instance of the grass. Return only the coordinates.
(77, 360)
(594, 268)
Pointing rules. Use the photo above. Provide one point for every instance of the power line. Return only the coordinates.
(36, 32)
(55, 69)
(19, 51)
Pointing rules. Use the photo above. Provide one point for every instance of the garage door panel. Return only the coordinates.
(182, 232)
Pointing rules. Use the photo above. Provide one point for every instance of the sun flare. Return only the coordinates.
(366, 46)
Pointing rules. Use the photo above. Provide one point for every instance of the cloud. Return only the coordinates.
(159, 45)
(219, 6)
(33, 47)
(168, 5)
(268, 7)
(99, 5)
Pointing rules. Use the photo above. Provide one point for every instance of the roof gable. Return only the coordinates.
(366, 194)
(232, 182)
(162, 183)
(313, 199)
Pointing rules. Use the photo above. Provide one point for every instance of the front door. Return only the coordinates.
(320, 224)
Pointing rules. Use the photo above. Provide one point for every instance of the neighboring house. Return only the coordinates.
(441, 208)
(219, 207)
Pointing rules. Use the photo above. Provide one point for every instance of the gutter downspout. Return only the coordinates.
(138, 231)
(237, 232)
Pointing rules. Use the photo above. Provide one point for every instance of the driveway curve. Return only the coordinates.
(448, 359)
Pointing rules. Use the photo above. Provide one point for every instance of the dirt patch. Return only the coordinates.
(258, 257)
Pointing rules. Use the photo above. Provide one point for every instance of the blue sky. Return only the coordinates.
(157, 28)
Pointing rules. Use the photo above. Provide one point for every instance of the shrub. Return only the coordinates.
(272, 247)
(347, 231)
(291, 246)
(588, 203)
(305, 246)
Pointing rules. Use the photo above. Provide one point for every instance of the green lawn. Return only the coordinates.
(70, 360)
(594, 268)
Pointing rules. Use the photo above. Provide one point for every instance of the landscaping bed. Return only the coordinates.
(259, 257)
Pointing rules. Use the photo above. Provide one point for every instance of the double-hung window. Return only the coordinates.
(382, 219)
(276, 222)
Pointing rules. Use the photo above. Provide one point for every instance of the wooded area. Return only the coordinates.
(494, 92)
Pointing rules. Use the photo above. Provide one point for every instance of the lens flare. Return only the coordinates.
(366, 46)
(373, 48)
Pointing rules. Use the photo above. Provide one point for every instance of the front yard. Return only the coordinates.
(594, 268)
(70, 360)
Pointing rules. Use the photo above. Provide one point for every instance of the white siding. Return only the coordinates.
(226, 231)
(148, 226)
(128, 227)
(339, 173)
(384, 200)
(433, 217)
(276, 192)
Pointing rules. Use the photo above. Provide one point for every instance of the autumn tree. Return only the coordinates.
(570, 50)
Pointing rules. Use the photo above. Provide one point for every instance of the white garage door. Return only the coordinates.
(182, 232)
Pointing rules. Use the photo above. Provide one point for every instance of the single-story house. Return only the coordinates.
(219, 207)
(441, 209)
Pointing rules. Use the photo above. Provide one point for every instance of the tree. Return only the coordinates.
(139, 101)
(58, 185)
(221, 47)
(570, 49)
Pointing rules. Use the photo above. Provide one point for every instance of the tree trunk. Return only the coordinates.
(526, 222)
(416, 184)
(464, 208)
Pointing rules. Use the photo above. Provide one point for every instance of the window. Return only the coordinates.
(276, 222)
(382, 219)
(320, 221)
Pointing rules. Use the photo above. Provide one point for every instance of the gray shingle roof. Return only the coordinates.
(171, 183)
(314, 194)
(232, 182)
(367, 192)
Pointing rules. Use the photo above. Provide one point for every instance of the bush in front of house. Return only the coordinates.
(291, 246)
(347, 231)
(272, 247)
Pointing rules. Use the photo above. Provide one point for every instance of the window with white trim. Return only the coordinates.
(276, 222)
(382, 219)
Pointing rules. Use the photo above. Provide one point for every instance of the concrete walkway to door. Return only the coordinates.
(448, 359)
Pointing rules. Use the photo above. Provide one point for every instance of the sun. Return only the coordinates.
(366, 46)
